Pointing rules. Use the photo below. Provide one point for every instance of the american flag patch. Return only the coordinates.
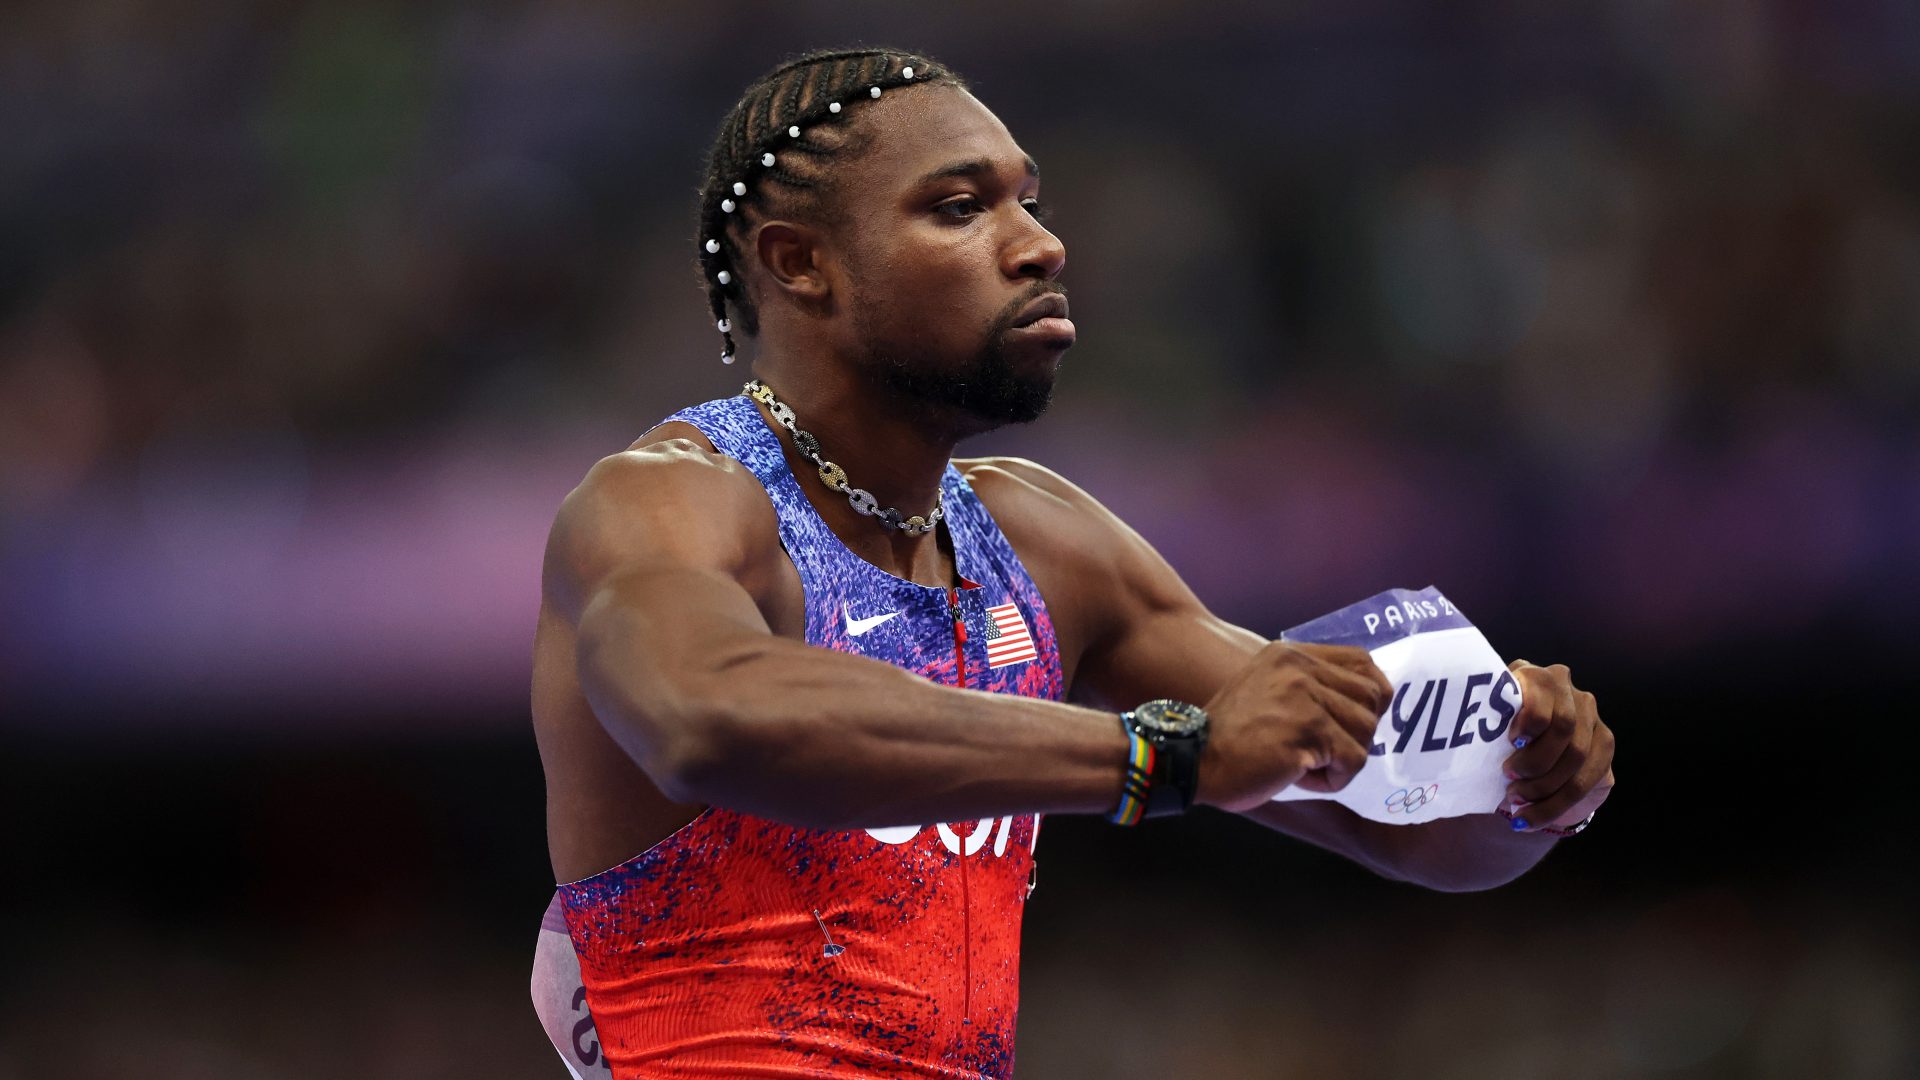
(1007, 640)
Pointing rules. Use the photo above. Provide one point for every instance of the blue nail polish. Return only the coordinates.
(1519, 823)
(1520, 743)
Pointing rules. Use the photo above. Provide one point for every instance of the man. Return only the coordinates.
(784, 631)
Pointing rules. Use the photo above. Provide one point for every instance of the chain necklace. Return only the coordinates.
(834, 476)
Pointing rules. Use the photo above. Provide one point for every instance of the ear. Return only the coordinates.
(795, 257)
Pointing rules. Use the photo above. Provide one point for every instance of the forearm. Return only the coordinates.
(1462, 854)
(1459, 854)
(823, 739)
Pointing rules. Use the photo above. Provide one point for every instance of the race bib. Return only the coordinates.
(560, 999)
(1438, 749)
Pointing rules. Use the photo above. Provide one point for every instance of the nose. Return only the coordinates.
(1034, 252)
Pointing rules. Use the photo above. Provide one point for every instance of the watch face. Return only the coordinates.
(1170, 717)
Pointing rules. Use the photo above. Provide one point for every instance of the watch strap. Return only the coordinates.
(1176, 774)
(1162, 773)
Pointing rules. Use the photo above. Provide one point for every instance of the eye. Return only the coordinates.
(1040, 211)
(961, 208)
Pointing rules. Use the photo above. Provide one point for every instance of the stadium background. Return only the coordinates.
(1602, 318)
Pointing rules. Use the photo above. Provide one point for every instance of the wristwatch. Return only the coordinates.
(1164, 741)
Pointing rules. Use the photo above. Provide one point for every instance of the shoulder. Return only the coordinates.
(1098, 575)
(1029, 500)
(670, 496)
(1061, 532)
(1053, 521)
(1025, 485)
(671, 468)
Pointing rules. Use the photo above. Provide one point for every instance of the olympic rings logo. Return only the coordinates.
(1407, 800)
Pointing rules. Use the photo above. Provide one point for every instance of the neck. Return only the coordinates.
(896, 453)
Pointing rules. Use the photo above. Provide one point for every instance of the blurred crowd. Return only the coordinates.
(1603, 318)
(1624, 297)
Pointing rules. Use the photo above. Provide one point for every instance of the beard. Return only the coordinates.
(987, 388)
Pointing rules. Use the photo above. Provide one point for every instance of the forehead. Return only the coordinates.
(926, 128)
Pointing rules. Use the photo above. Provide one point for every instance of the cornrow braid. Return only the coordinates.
(772, 153)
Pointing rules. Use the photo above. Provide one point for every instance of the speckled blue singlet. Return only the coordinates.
(702, 956)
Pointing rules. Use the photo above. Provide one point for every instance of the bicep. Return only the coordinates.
(1184, 653)
(646, 560)
(665, 622)
(666, 508)
(1159, 640)
(1134, 629)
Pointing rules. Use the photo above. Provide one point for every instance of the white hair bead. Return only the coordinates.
(793, 131)
(725, 326)
(767, 160)
(739, 188)
(726, 358)
(906, 73)
(833, 107)
(873, 91)
(713, 247)
(723, 277)
(726, 205)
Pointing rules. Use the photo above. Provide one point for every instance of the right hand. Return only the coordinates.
(1297, 714)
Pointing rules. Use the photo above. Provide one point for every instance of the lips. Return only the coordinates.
(1047, 306)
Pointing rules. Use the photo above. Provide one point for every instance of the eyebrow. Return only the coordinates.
(975, 167)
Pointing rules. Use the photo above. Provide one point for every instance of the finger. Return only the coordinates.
(1372, 696)
(1534, 789)
(1344, 760)
(1545, 701)
(1317, 780)
(1535, 704)
(1339, 739)
(1586, 789)
(1355, 721)
(1359, 662)
(1575, 715)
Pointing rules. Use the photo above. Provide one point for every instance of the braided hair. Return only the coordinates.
(772, 153)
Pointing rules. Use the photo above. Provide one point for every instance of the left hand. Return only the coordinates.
(1562, 764)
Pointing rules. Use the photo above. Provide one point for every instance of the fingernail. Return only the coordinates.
(1520, 743)
(1519, 823)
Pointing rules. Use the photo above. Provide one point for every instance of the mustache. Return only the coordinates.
(1004, 321)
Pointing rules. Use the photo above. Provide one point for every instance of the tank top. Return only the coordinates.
(739, 946)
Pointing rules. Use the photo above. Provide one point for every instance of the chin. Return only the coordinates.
(1021, 413)
(996, 388)
(1015, 397)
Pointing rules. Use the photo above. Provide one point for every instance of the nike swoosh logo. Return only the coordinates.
(856, 627)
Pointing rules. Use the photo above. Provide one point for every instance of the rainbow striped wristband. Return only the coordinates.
(1139, 779)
